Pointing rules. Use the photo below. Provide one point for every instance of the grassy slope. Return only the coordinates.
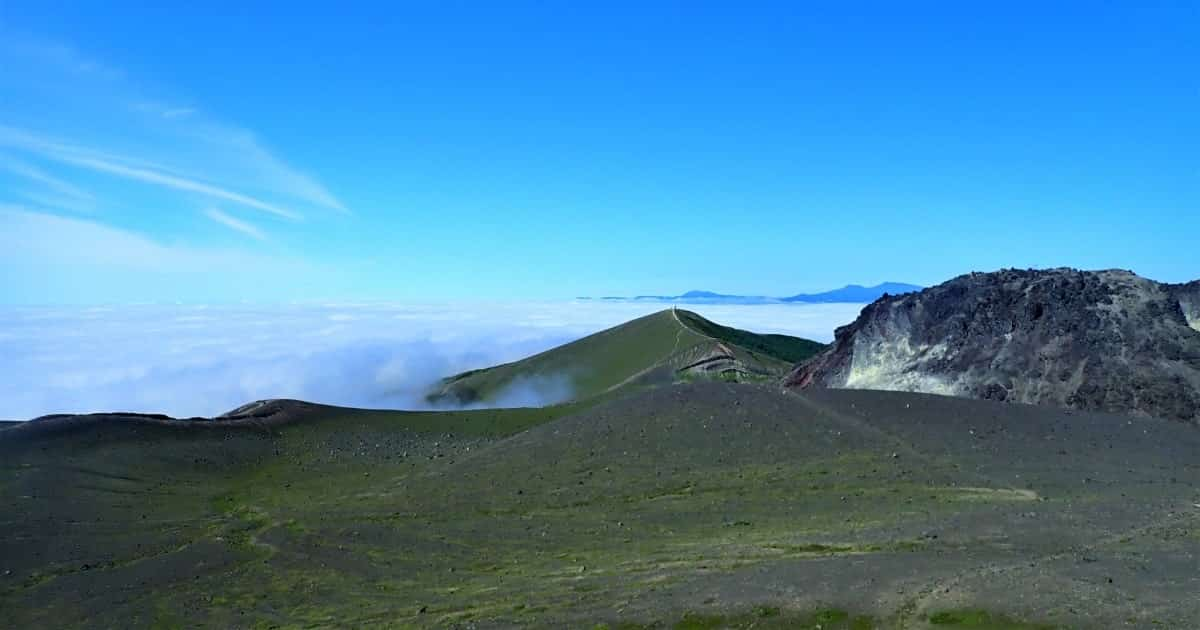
(783, 347)
(702, 505)
(597, 363)
(593, 363)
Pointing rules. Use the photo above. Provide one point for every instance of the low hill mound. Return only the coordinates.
(1094, 340)
(666, 347)
(260, 414)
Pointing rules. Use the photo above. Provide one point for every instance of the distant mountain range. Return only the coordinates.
(854, 293)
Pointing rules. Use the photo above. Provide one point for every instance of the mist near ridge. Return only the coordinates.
(205, 360)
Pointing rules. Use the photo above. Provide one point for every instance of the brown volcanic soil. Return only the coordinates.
(706, 499)
(1093, 340)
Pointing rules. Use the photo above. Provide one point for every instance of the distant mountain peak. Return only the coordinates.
(856, 293)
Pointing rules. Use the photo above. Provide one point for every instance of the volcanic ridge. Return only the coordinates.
(1092, 340)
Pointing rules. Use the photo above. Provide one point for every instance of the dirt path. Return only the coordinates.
(678, 320)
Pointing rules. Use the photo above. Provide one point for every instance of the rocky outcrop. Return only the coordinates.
(1188, 296)
(1095, 340)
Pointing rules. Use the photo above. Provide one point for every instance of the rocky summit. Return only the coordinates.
(1095, 340)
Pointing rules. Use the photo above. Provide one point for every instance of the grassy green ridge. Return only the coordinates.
(593, 364)
(664, 342)
(782, 347)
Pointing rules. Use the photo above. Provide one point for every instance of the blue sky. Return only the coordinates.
(425, 151)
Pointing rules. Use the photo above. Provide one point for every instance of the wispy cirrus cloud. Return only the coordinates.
(96, 161)
(128, 133)
(151, 171)
(50, 201)
(235, 224)
(164, 111)
(57, 187)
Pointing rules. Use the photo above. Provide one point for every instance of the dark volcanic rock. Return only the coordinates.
(1094, 340)
(1189, 300)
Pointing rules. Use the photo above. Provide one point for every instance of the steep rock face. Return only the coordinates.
(1189, 300)
(1096, 340)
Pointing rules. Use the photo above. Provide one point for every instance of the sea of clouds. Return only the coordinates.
(187, 360)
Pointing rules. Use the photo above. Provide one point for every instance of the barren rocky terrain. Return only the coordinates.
(710, 504)
(683, 486)
(1094, 340)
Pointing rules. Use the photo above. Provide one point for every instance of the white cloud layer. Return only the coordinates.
(205, 360)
